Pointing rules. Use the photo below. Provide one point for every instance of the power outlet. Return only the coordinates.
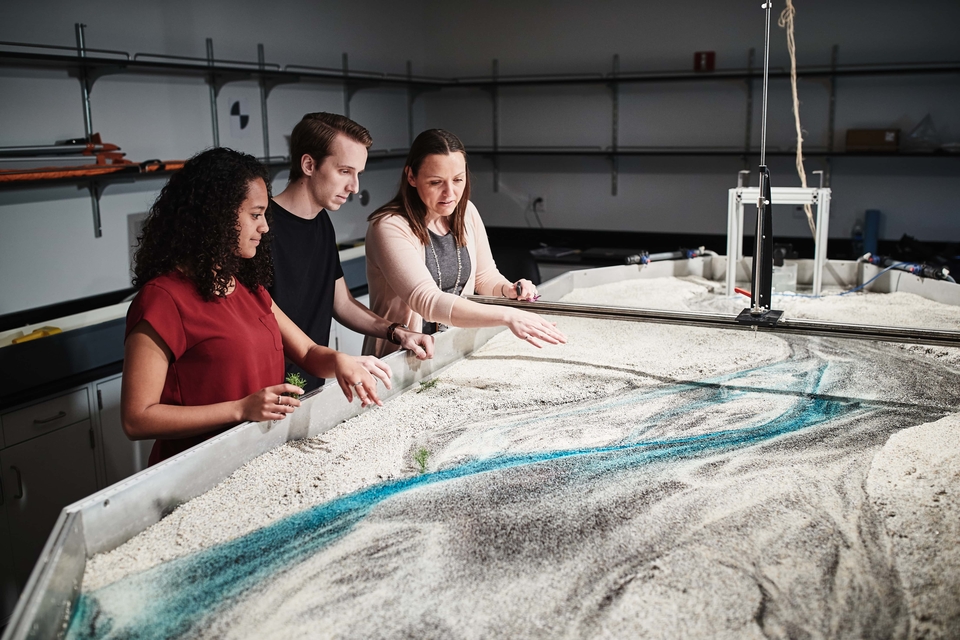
(536, 208)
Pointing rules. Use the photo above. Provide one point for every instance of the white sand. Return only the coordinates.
(379, 445)
(913, 484)
(508, 377)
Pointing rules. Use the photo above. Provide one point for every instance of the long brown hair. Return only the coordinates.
(407, 202)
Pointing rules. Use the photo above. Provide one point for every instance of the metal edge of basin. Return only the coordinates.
(117, 513)
(114, 515)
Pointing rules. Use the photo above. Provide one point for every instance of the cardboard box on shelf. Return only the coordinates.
(873, 139)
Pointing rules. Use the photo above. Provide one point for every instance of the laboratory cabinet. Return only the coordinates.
(40, 477)
(121, 457)
(56, 451)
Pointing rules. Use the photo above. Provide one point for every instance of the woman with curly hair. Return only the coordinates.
(205, 343)
(427, 249)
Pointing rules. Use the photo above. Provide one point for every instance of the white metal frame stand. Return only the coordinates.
(781, 195)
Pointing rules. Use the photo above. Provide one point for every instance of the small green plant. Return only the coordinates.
(420, 457)
(296, 380)
(428, 384)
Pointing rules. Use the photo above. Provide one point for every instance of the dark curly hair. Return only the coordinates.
(193, 225)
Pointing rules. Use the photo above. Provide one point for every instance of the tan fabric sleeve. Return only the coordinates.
(392, 245)
(487, 277)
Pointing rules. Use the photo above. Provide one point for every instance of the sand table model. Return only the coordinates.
(643, 480)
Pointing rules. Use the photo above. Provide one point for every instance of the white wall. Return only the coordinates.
(48, 252)
(916, 196)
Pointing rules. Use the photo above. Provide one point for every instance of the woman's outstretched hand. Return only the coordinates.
(534, 329)
(359, 376)
(269, 403)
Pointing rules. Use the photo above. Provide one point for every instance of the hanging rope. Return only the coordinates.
(786, 20)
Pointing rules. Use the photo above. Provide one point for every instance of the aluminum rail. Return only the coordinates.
(720, 321)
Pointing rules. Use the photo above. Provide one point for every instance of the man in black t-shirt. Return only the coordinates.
(328, 152)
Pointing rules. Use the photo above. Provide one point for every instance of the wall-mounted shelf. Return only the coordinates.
(111, 61)
(688, 76)
(10, 180)
(105, 174)
(53, 176)
(726, 152)
(88, 65)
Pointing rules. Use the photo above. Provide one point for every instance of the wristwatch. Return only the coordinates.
(392, 332)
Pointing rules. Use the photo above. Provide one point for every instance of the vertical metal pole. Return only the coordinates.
(761, 280)
(213, 95)
(263, 103)
(84, 83)
(766, 76)
(346, 86)
(823, 232)
(615, 139)
(410, 102)
(495, 94)
(832, 118)
(749, 127)
(734, 231)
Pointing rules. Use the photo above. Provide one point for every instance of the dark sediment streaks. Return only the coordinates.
(646, 503)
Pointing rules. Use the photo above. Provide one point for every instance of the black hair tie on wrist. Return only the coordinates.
(392, 332)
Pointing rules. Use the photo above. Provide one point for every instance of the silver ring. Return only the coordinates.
(280, 400)
(358, 384)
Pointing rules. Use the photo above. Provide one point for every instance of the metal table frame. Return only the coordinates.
(739, 269)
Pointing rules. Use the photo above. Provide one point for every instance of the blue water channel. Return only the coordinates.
(175, 598)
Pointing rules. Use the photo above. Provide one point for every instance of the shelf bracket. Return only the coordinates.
(95, 192)
(495, 97)
(832, 116)
(214, 90)
(269, 83)
(84, 82)
(615, 132)
(348, 89)
(411, 96)
(216, 81)
(263, 102)
(88, 75)
(413, 92)
(749, 125)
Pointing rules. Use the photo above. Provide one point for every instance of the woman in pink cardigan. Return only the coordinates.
(427, 248)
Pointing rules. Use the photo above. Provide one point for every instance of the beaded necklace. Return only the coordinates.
(436, 258)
